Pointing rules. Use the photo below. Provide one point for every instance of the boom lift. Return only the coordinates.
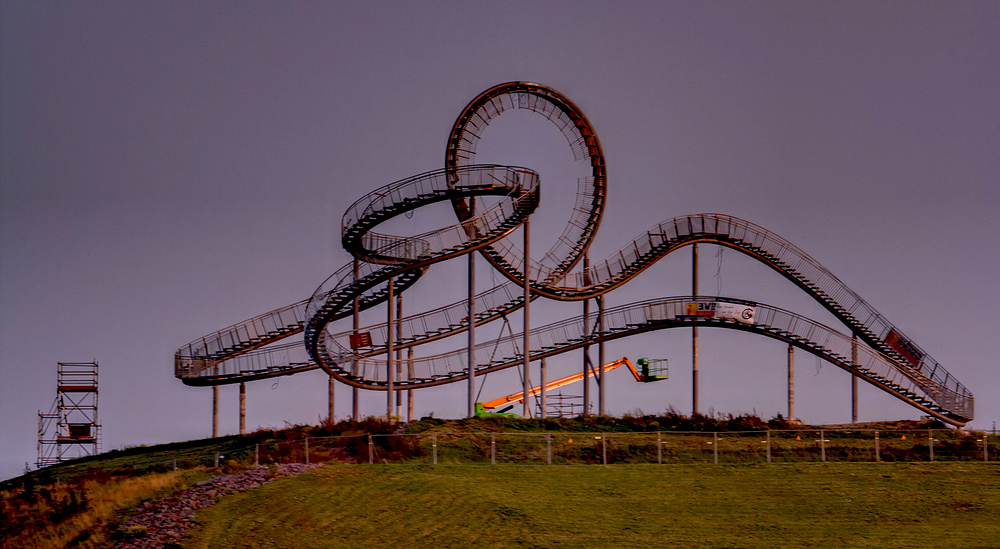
(650, 370)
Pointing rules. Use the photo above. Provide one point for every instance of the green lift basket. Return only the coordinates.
(653, 369)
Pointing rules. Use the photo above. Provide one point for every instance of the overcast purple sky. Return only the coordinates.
(169, 169)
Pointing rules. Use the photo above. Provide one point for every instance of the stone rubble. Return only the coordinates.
(168, 519)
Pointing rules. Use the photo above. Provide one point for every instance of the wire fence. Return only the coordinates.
(608, 448)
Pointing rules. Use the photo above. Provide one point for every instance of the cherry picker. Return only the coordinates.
(650, 370)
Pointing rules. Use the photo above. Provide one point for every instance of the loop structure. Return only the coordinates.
(258, 348)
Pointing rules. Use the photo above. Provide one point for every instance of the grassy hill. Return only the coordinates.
(84, 503)
(799, 505)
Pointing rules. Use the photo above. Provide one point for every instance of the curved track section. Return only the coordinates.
(585, 217)
(252, 349)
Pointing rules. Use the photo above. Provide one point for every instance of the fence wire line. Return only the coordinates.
(898, 445)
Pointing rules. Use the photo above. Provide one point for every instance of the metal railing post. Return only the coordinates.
(822, 445)
(930, 442)
(986, 454)
(493, 448)
(659, 448)
(371, 451)
(604, 450)
(256, 455)
(175, 465)
(769, 446)
(307, 450)
(715, 448)
(217, 460)
(434, 444)
(548, 447)
(877, 457)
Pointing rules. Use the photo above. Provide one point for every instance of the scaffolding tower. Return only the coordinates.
(560, 405)
(70, 429)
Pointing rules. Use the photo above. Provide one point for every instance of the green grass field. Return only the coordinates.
(788, 505)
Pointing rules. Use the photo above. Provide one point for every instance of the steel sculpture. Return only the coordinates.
(253, 349)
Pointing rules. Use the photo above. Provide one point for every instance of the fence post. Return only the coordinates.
(769, 446)
(822, 445)
(434, 443)
(877, 457)
(307, 450)
(493, 448)
(371, 451)
(659, 448)
(217, 460)
(548, 447)
(930, 442)
(986, 455)
(256, 455)
(175, 465)
(715, 448)
(604, 450)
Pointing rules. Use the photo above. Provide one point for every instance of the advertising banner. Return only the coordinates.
(744, 314)
(700, 308)
(905, 347)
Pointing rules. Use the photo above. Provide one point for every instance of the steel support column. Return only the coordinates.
(791, 381)
(409, 392)
(527, 317)
(399, 354)
(854, 380)
(243, 408)
(215, 411)
(331, 382)
(600, 356)
(471, 360)
(389, 340)
(355, 392)
(586, 335)
(541, 374)
(694, 333)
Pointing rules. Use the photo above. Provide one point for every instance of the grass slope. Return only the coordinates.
(799, 505)
(81, 514)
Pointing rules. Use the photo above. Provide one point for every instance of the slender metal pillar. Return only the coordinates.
(354, 363)
(600, 356)
(330, 385)
(389, 341)
(854, 380)
(471, 360)
(243, 408)
(527, 315)
(543, 381)
(409, 392)
(215, 411)
(694, 333)
(399, 354)
(586, 335)
(791, 381)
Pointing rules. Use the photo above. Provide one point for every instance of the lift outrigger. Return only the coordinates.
(650, 370)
